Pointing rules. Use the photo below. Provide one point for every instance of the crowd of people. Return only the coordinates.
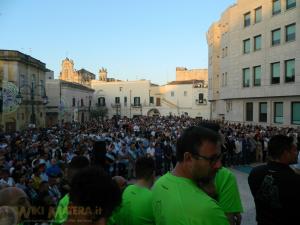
(42, 164)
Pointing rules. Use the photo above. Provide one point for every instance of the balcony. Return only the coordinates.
(116, 105)
(100, 105)
(200, 85)
(136, 105)
(201, 102)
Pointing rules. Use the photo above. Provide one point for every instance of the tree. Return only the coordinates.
(99, 112)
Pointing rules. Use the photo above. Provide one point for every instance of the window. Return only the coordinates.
(117, 100)
(90, 103)
(296, 113)
(136, 101)
(258, 15)
(33, 79)
(278, 112)
(276, 37)
(101, 101)
(246, 46)
(247, 19)
(290, 32)
(246, 77)
(275, 73)
(262, 112)
(185, 93)
(200, 98)
(256, 75)
(158, 102)
(249, 111)
(151, 100)
(172, 93)
(225, 79)
(276, 9)
(42, 86)
(290, 4)
(125, 101)
(228, 106)
(257, 43)
(73, 102)
(225, 51)
(82, 103)
(22, 80)
(289, 70)
(120, 88)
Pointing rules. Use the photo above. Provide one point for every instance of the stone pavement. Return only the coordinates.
(241, 173)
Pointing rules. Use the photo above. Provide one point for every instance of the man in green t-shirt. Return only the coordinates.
(136, 206)
(177, 199)
(223, 187)
(228, 195)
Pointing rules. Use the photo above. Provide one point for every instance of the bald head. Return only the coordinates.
(8, 216)
(12, 196)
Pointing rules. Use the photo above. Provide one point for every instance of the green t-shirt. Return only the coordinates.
(179, 201)
(61, 214)
(228, 193)
(136, 207)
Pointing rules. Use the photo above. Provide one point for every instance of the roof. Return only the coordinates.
(12, 55)
(185, 82)
(76, 85)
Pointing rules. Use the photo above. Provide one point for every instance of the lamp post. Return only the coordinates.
(90, 105)
(31, 88)
(1, 107)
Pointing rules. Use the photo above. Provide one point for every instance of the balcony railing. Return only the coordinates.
(201, 102)
(136, 105)
(101, 104)
(116, 105)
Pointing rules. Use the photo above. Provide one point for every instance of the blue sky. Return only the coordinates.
(133, 39)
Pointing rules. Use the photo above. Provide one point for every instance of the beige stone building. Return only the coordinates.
(185, 96)
(25, 75)
(68, 101)
(68, 73)
(183, 73)
(254, 67)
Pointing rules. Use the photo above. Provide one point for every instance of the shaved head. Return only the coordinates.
(12, 196)
(8, 216)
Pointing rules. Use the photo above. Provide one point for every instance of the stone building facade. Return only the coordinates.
(21, 73)
(68, 101)
(254, 63)
(141, 97)
(183, 73)
(68, 73)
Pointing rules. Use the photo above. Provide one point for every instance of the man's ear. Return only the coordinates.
(187, 156)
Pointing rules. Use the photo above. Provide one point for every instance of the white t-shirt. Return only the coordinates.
(151, 151)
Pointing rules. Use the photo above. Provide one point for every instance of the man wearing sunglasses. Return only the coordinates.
(223, 187)
(177, 199)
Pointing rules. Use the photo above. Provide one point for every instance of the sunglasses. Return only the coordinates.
(212, 160)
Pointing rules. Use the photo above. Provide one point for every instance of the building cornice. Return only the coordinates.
(262, 97)
(12, 55)
(75, 85)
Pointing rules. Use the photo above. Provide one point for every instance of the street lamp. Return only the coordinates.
(90, 105)
(31, 88)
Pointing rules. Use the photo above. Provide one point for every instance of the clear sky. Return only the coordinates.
(133, 39)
